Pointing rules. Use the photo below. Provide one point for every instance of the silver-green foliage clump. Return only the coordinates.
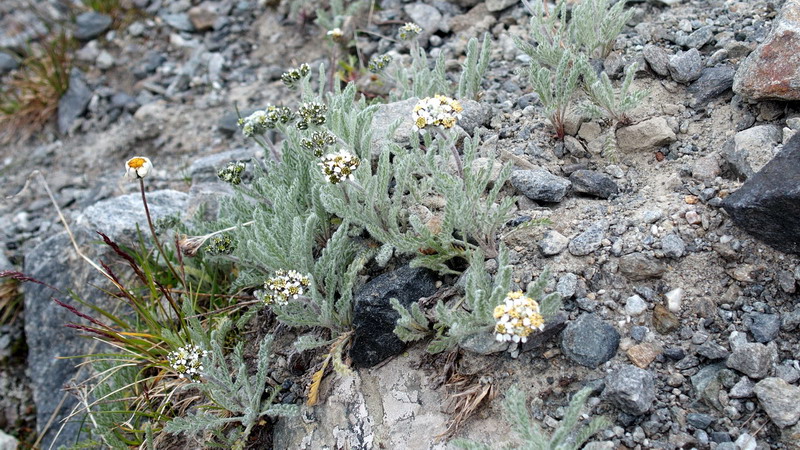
(560, 55)
(568, 435)
(237, 399)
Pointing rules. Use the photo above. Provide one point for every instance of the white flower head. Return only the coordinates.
(187, 361)
(409, 31)
(339, 166)
(437, 111)
(285, 285)
(138, 167)
(335, 33)
(517, 317)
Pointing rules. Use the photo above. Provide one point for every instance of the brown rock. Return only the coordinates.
(772, 71)
(664, 321)
(638, 267)
(642, 355)
(650, 134)
(202, 17)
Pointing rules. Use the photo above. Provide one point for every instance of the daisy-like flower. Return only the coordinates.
(409, 31)
(438, 111)
(339, 166)
(138, 167)
(232, 172)
(186, 361)
(379, 62)
(517, 317)
(335, 33)
(285, 285)
(291, 77)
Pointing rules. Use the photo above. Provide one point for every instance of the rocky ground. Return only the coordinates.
(678, 314)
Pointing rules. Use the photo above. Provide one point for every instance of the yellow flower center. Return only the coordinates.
(136, 163)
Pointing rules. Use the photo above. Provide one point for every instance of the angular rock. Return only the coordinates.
(74, 102)
(426, 16)
(179, 21)
(540, 185)
(698, 38)
(780, 400)
(707, 384)
(707, 168)
(742, 389)
(686, 67)
(593, 183)
(553, 243)
(483, 344)
(713, 82)
(641, 355)
(664, 321)
(754, 360)
(763, 327)
(552, 328)
(713, 351)
(768, 204)
(638, 267)
(650, 134)
(772, 70)
(203, 17)
(657, 58)
(52, 262)
(374, 318)
(631, 389)
(635, 305)
(699, 421)
(590, 240)
(673, 246)
(567, 285)
(753, 148)
(589, 341)
(91, 24)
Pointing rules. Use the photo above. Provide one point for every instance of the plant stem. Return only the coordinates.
(155, 238)
(456, 156)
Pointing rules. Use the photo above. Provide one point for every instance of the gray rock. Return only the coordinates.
(179, 21)
(657, 58)
(742, 389)
(374, 318)
(707, 384)
(483, 343)
(699, 421)
(673, 246)
(686, 67)
(707, 168)
(638, 267)
(791, 320)
(593, 183)
(540, 185)
(787, 372)
(764, 327)
(91, 24)
(567, 285)
(553, 243)
(635, 305)
(631, 389)
(204, 170)
(768, 204)
(590, 240)
(698, 38)
(772, 70)
(713, 351)
(7, 63)
(499, 5)
(713, 82)
(8, 442)
(426, 16)
(648, 135)
(753, 359)
(552, 328)
(385, 118)
(589, 341)
(74, 102)
(474, 115)
(753, 148)
(780, 400)
(44, 319)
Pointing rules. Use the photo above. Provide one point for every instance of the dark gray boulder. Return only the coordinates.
(768, 204)
(589, 341)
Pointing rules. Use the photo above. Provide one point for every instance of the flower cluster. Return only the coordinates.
(379, 62)
(311, 113)
(409, 31)
(260, 121)
(335, 33)
(138, 167)
(285, 285)
(221, 245)
(186, 361)
(517, 318)
(291, 77)
(339, 166)
(437, 111)
(318, 141)
(232, 172)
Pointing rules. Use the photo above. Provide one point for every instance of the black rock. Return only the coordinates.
(593, 183)
(764, 327)
(768, 203)
(74, 102)
(374, 318)
(712, 83)
(589, 341)
(91, 24)
(631, 389)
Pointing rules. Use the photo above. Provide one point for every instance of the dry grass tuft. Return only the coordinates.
(467, 393)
